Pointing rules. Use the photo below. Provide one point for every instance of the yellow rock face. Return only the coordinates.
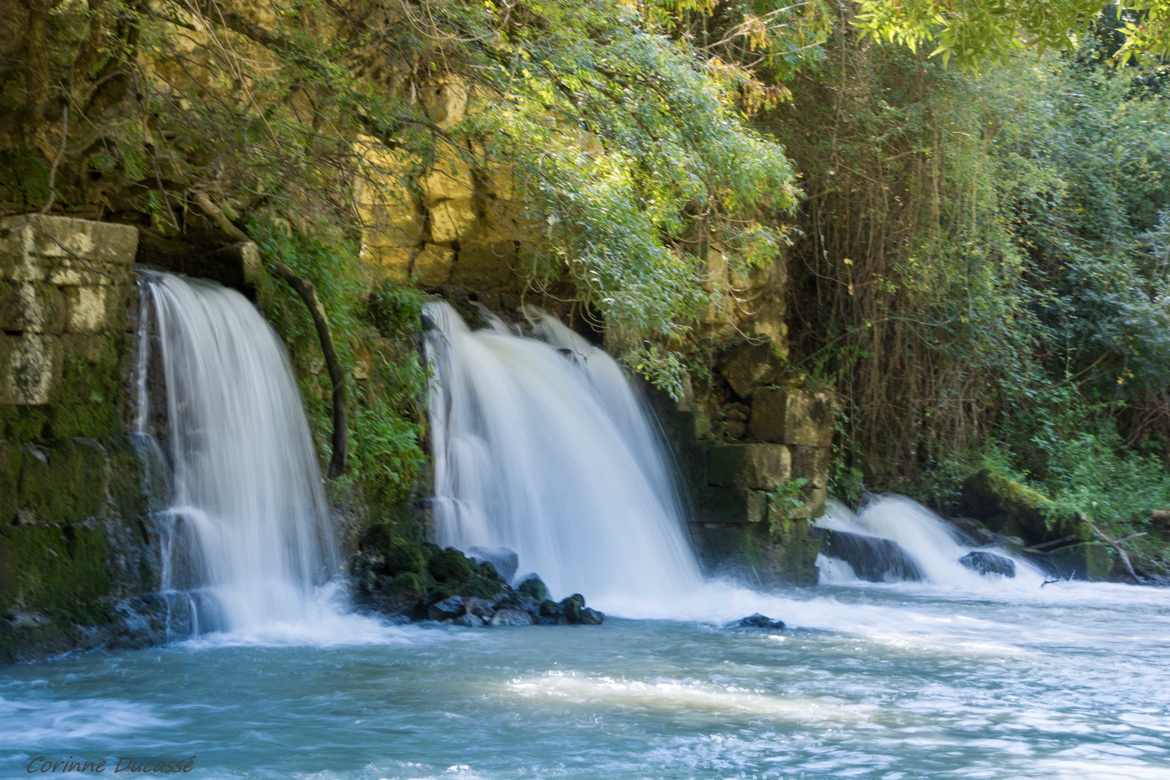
(432, 267)
(451, 220)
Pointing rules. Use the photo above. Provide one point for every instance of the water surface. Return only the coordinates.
(881, 681)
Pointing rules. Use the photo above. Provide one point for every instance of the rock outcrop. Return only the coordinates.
(411, 580)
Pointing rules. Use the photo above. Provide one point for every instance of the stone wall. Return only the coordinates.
(449, 222)
(76, 556)
(757, 463)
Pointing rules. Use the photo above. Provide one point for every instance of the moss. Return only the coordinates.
(65, 483)
(11, 457)
(125, 487)
(450, 565)
(409, 584)
(56, 569)
(86, 401)
(1013, 493)
(23, 423)
(25, 179)
(1007, 505)
(401, 555)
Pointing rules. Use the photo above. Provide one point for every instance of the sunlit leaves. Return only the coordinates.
(975, 32)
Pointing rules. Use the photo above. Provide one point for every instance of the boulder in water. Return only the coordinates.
(989, 563)
(533, 587)
(872, 558)
(447, 609)
(571, 607)
(504, 561)
(592, 617)
(758, 620)
(511, 617)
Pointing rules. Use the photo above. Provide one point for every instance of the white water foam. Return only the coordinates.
(689, 698)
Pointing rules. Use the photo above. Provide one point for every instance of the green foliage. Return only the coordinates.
(629, 159)
(1086, 184)
(786, 498)
(975, 31)
(379, 332)
(661, 369)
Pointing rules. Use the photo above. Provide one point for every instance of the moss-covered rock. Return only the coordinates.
(450, 566)
(1010, 507)
(55, 569)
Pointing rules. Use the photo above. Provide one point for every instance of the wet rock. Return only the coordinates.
(571, 608)
(592, 617)
(483, 608)
(534, 587)
(502, 560)
(511, 617)
(989, 563)
(872, 558)
(411, 580)
(518, 601)
(1009, 507)
(758, 620)
(447, 609)
(975, 533)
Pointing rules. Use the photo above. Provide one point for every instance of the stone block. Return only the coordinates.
(753, 466)
(750, 365)
(10, 461)
(445, 101)
(432, 266)
(451, 219)
(763, 553)
(65, 238)
(485, 265)
(449, 178)
(390, 262)
(792, 416)
(814, 504)
(85, 401)
(812, 463)
(29, 365)
(31, 307)
(89, 308)
(732, 506)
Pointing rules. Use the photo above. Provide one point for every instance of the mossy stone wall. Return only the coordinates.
(75, 541)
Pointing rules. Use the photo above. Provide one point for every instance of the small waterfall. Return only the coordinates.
(542, 446)
(246, 535)
(931, 544)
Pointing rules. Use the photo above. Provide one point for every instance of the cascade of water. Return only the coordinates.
(246, 533)
(928, 540)
(541, 445)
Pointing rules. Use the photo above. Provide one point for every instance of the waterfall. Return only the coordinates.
(931, 543)
(541, 445)
(246, 532)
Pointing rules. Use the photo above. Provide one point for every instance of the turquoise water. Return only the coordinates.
(891, 681)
